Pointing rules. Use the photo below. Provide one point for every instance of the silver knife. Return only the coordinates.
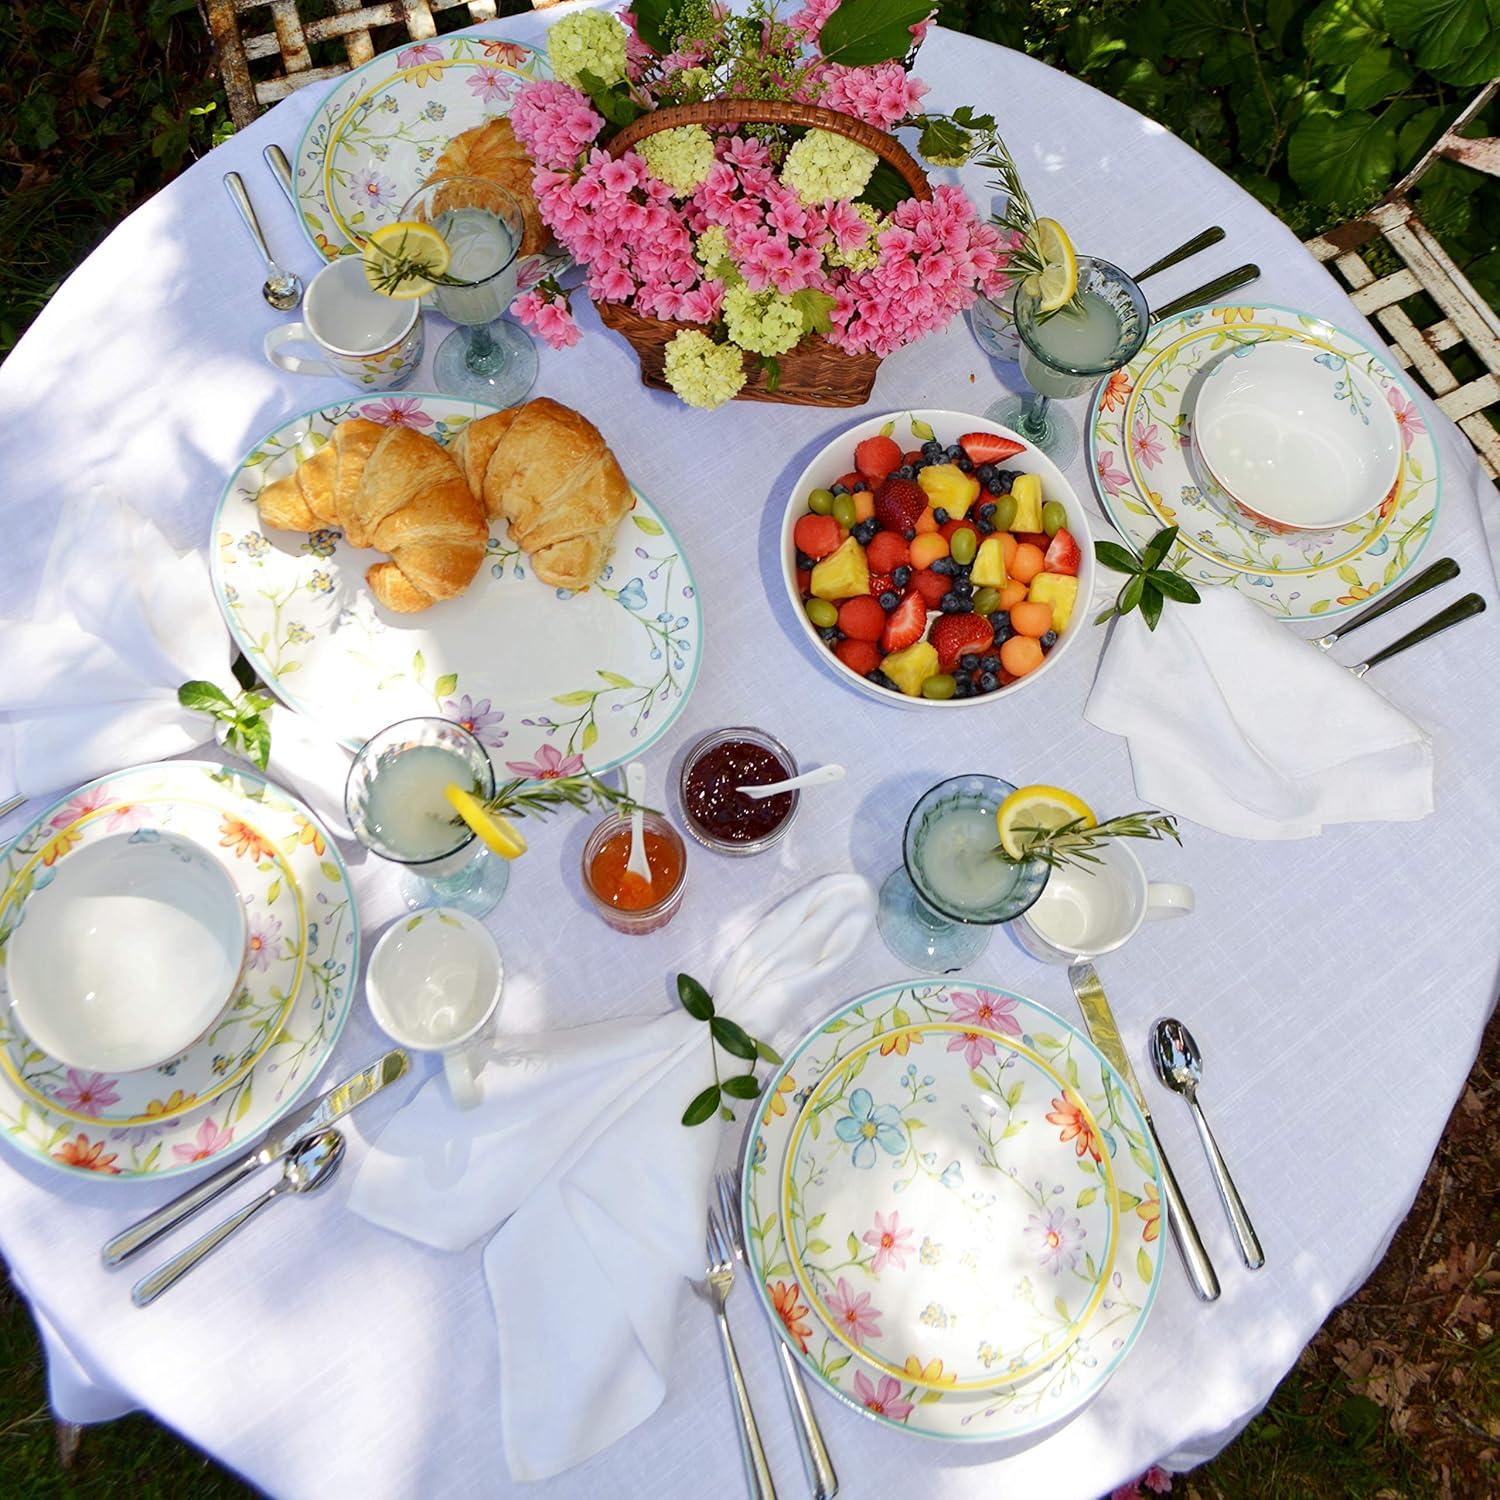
(336, 1103)
(1100, 1021)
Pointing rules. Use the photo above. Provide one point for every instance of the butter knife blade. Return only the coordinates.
(333, 1105)
(1105, 1033)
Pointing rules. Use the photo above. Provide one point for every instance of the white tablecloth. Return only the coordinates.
(1338, 986)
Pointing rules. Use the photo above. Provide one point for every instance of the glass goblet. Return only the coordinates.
(953, 885)
(1065, 353)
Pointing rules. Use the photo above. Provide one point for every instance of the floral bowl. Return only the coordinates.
(910, 429)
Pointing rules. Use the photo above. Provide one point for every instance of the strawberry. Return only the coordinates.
(1038, 539)
(931, 586)
(898, 505)
(905, 624)
(862, 618)
(881, 583)
(804, 581)
(817, 536)
(988, 447)
(912, 456)
(955, 635)
(859, 656)
(887, 551)
(1063, 555)
(876, 457)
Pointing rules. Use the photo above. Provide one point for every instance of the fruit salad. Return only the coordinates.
(937, 572)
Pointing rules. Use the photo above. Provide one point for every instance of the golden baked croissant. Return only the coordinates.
(317, 493)
(491, 150)
(545, 468)
(413, 503)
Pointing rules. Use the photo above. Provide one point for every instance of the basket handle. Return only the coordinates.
(776, 112)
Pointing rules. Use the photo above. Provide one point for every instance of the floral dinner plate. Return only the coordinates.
(937, 1222)
(550, 681)
(272, 897)
(898, 1029)
(1149, 473)
(261, 826)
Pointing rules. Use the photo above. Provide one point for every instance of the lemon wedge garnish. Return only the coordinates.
(402, 259)
(1044, 807)
(499, 835)
(1054, 285)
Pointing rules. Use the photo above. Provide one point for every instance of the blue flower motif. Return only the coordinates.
(633, 595)
(866, 1126)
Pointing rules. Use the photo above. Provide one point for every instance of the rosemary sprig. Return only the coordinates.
(521, 797)
(1075, 843)
(393, 268)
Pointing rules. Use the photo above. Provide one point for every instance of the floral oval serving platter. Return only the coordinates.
(550, 681)
(1149, 474)
(373, 141)
(942, 1191)
(896, 1030)
(260, 826)
(272, 897)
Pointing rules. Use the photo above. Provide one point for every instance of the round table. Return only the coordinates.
(1338, 986)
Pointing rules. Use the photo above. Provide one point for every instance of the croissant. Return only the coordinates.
(546, 470)
(317, 493)
(491, 150)
(412, 503)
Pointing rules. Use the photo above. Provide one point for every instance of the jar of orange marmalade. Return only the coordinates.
(625, 901)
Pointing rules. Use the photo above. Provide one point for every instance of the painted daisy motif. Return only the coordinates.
(1054, 1239)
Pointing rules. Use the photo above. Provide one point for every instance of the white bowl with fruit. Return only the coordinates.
(937, 560)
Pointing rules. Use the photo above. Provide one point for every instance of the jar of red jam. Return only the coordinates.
(626, 902)
(719, 816)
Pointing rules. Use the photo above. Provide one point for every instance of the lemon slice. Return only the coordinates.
(499, 835)
(1054, 285)
(1044, 807)
(402, 259)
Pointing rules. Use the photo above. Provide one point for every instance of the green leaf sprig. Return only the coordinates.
(247, 730)
(736, 1041)
(1149, 583)
(522, 797)
(1077, 841)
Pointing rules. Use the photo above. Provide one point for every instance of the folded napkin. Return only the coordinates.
(1239, 724)
(90, 681)
(579, 1155)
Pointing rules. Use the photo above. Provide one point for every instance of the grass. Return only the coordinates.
(104, 101)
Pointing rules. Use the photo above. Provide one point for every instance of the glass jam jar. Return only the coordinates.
(624, 901)
(724, 819)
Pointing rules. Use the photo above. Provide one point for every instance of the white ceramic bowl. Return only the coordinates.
(837, 459)
(129, 954)
(1298, 439)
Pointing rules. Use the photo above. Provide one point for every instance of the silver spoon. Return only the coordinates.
(283, 290)
(1444, 619)
(1179, 1065)
(309, 1166)
(819, 777)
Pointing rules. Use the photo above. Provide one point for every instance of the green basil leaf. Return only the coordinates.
(742, 1086)
(204, 698)
(1150, 603)
(255, 735)
(1113, 555)
(767, 1053)
(1130, 595)
(1157, 548)
(871, 31)
(1173, 585)
(734, 1039)
(1344, 160)
(702, 1107)
(696, 1000)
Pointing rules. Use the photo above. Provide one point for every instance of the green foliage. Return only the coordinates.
(871, 31)
(734, 1040)
(246, 728)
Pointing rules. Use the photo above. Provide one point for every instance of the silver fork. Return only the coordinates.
(816, 1463)
(714, 1289)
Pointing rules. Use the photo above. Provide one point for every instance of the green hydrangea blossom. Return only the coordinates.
(823, 165)
(868, 253)
(763, 322)
(681, 158)
(590, 42)
(701, 372)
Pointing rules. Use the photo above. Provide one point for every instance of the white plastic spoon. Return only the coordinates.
(820, 777)
(635, 789)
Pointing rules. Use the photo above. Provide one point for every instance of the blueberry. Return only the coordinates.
(864, 533)
(940, 516)
(986, 528)
(1049, 640)
(1003, 628)
(901, 577)
(945, 565)
(988, 682)
(953, 452)
(838, 489)
(956, 604)
(963, 688)
(968, 661)
(963, 588)
(965, 464)
(804, 562)
(994, 486)
(880, 679)
(1007, 478)
(906, 471)
(831, 634)
(986, 512)
(889, 600)
(910, 533)
(989, 663)
(985, 473)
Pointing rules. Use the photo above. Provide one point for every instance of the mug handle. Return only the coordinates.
(462, 1072)
(289, 333)
(1168, 900)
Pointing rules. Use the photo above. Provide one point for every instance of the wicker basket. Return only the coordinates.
(815, 373)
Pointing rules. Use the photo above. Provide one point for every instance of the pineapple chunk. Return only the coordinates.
(910, 668)
(842, 574)
(989, 564)
(948, 487)
(1060, 590)
(1027, 491)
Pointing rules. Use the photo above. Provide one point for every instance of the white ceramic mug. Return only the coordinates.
(434, 986)
(1088, 910)
(372, 341)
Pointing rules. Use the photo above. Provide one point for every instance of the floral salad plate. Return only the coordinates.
(1149, 473)
(1009, 1266)
(548, 680)
(850, 1103)
(265, 1050)
(373, 141)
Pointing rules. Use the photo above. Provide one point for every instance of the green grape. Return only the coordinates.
(1005, 512)
(941, 686)
(963, 545)
(822, 613)
(986, 601)
(844, 512)
(820, 502)
(1054, 517)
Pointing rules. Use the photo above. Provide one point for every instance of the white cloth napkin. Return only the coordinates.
(1240, 725)
(579, 1154)
(90, 682)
